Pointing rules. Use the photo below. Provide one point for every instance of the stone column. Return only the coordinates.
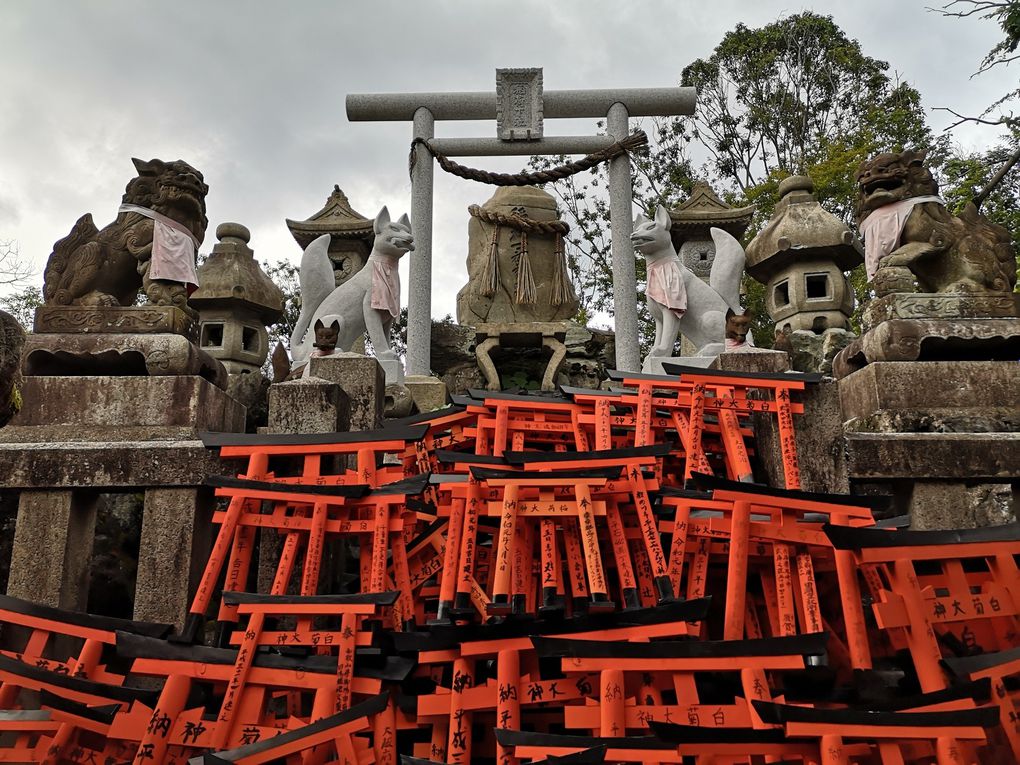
(419, 282)
(175, 541)
(308, 405)
(53, 548)
(628, 354)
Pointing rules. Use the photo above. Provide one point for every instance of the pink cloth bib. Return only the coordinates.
(882, 228)
(173, 248)
(385, 284)
(666, 284)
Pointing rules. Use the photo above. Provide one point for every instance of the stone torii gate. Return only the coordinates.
(519, 106)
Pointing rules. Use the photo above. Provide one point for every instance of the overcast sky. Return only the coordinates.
(252, 94)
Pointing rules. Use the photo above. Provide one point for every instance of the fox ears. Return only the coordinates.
(662, 218)
(335, 325)
(383, 219)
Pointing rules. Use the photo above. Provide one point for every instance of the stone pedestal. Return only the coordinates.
(53, 548)
(934, 327)
(308, 405)
(112, 354)
(535, 334)
(942, 438)
(429, 393)
(98, 408)
(362, 379)
(176, 535)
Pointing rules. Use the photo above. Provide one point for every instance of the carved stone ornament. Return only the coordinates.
(140, 320)
(119, 354)
(106, 268)
(519, 104)
(911, 235)
(931, 339)
(923, 305)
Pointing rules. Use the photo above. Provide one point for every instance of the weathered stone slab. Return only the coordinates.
(94, 408)
(954, 505)
(362, 379)
(131, 320)
(945, 456)
(757, 360)
(308, 405)
(939, 306)
(930, 385)
(119, 355)
(53, 548)
(110, 465)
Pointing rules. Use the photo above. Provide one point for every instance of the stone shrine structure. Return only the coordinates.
(520, 107)
(692, 220)
(931, 390)
(800, 256)
(518, 293)
(235, 302)
(350, 234)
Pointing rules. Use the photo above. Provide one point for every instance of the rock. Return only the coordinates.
(398, 401)
(251, 389)
(12, 340)
(813, 352)
(453, 356)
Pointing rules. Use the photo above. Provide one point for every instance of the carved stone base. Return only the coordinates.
(939, 306)
(931, 340)
(545, 334)
(119, 355)
(131, 320)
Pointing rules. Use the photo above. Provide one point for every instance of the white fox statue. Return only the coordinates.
(367, 302)
(679, 301)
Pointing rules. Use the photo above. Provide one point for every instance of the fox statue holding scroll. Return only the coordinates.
(677, 299)
(367, 302)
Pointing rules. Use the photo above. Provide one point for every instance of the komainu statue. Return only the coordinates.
(910, 235)
(151, 245)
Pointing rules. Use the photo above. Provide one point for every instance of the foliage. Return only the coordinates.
(285, 275)
(21, 305)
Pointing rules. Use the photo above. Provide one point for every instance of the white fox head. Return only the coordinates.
(651, 237)
(392, 238)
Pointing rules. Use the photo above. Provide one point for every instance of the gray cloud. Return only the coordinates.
(252, 93)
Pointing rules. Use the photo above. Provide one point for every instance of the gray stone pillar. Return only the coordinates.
(53, 548)
(419, 282)
(308, 405)
(175, 545)
(628, 354)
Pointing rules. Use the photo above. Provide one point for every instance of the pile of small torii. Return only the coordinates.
(579, 577)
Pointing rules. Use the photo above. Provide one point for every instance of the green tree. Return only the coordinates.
(794, 96)
(22, 304)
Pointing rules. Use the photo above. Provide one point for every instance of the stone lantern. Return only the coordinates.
(235, 301)
(350, 233)
(691, 222)
(800, 256)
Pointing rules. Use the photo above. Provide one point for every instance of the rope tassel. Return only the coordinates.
(526, 292)
(490, 274)
(563, 290)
